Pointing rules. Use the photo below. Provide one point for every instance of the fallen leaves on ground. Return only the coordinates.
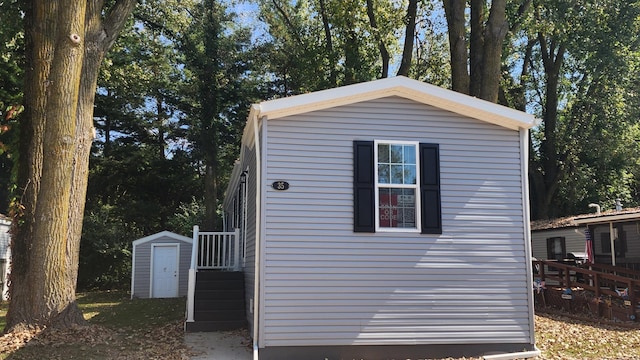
(99, 342)
(559, 336)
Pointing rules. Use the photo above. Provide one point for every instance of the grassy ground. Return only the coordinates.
(121, 328)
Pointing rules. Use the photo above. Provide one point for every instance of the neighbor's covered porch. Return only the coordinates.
(615, 238)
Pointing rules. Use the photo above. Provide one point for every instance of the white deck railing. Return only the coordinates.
(211, 251)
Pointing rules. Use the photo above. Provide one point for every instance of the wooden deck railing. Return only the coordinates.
(609, 282)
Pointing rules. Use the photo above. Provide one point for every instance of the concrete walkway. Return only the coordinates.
(221, 345)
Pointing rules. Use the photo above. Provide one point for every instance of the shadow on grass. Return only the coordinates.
(117, 310)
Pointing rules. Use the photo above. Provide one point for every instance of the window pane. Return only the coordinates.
(409, 174)
(383, 153)
(396, 154)
(396, 174)
(384, 174)
(409, 154)
(397, 208)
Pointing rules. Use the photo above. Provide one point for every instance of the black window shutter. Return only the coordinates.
(431, 217)
(363, 189)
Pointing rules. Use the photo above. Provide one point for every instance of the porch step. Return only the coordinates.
(218, 301)
(221, 315)
(209, 326)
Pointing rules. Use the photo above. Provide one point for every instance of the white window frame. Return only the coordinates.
(415, 186)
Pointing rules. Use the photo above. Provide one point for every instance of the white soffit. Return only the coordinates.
(396, 86)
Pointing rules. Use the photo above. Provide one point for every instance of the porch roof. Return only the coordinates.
(587, 219)
(609, 216)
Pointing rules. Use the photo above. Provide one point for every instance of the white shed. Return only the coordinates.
(5, 255)
(387, 219)
(160, 266)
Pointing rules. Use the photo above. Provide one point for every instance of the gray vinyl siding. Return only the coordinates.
(142, 271)
(250, 255)
(574, 240)
(326, 285)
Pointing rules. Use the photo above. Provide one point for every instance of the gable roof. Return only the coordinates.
(162, 234)
(395, 86)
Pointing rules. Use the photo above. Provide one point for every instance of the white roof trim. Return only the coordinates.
(396, 86)
(162, 234)
(607, 218)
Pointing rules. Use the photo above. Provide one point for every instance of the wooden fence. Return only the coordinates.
(608, 288)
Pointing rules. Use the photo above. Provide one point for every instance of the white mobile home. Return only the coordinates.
(384, 219)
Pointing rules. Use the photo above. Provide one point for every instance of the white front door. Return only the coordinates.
(164, 280)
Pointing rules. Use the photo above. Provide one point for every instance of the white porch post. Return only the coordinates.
(192, 275)
(236, 250)
(613, 244)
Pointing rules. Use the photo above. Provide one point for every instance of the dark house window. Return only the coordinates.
(395, 184)
(620, 242)
(556, 248)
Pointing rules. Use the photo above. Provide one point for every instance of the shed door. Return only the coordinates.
(164, 280)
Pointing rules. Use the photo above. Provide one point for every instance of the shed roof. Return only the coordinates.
(162, 234)
(395, 86)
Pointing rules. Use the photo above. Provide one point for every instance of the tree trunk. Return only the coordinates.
(65, 46)
(476, 47)
(409, 34)
(494, 34)
(546, 183)
(384, 54)
(331, 57)
(454, 11)
(209, 114)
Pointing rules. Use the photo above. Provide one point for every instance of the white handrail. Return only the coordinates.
(211, 250)
(236, 250)
(191, 289)
(218, 250)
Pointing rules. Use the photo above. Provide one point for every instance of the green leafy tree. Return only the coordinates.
(583, 55)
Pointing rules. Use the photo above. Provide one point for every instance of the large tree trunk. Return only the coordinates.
(409, 35)
(546, 174)
(476, 71)
(454, 11)
(331, 56)
(210, 112)
(66, 42)
(494, 34)
(384, 54)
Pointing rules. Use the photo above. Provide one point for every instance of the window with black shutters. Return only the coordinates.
(396, 187)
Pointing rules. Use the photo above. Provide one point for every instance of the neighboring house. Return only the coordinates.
(554, 239)
(5, 255)
(160, 266)
(384, 219)
(615, 235)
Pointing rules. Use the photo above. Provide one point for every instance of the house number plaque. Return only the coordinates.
(280, 185)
